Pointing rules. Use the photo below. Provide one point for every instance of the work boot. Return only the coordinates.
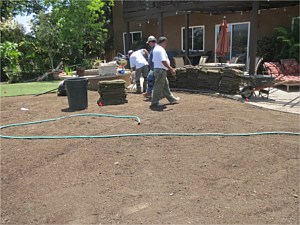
(145, 85)
(138, 87)
(147, 95)
(175, 101)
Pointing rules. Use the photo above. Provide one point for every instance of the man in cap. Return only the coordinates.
(150, 78)
(130, 52)
(161, 65)
(139, 64)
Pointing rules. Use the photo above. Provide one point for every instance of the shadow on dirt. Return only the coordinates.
(71, 110)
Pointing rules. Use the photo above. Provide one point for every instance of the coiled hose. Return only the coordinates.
(137, 119)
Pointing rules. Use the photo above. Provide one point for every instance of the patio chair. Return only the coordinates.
(203, 60)
(179, 62)
(286, 73)
(291, 67)
(258, 61)
(235, 59)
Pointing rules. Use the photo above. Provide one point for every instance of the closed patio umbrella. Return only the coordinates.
(223, 41)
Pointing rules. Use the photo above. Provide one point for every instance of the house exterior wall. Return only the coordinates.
(267, 21)
(118, 26)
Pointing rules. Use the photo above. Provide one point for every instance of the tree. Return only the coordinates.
(62, 29)
(47, 36)
(10, 57)
(73, 30)
(11, 8)
(13, 37)
(11, 31)
(12, 34)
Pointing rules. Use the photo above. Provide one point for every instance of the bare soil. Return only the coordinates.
(149, 180)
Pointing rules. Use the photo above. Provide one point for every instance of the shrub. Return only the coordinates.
(10, 54)
(284, 44)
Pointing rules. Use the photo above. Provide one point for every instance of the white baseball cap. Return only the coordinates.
(130, 52)
(151, 38)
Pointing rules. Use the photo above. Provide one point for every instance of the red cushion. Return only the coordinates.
(291, 67)
(273, 68)
(280, 77)
(291, 79)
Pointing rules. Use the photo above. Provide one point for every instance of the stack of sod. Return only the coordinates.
(209, 79)
(181, 78)
(192, 77)
(172, 79)
(230, 81)
(112, 92)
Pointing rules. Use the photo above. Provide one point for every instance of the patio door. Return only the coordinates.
(239, 34)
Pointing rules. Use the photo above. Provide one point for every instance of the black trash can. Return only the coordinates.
(77, 93)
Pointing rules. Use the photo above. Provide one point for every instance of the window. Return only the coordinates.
(135, 36)
(196, 38)
(239, 34)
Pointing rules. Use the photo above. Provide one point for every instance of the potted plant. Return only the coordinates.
(68, 71)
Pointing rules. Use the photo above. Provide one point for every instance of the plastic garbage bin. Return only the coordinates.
(77, 93)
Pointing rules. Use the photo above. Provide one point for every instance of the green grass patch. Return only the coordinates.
(30, 88)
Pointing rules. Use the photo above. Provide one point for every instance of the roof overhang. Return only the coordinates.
(140, 10)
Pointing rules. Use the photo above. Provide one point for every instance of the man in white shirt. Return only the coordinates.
(139, 64)
(161, 65)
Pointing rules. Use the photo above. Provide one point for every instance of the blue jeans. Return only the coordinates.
(151, 80)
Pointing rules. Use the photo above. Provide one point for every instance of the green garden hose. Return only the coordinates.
(137, 119)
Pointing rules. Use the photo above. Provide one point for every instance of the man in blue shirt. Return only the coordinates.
(150, 78)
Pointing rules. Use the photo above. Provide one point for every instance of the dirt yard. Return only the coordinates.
(149, 180)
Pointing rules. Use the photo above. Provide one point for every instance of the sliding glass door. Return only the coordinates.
(239, 40)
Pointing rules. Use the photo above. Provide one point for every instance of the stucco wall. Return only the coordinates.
(118, 25)
(267, 21)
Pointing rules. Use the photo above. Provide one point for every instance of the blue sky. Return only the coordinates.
(25, 21)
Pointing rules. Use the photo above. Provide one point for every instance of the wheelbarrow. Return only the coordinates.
(260, 83)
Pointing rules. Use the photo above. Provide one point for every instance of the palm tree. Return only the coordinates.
(289, 37)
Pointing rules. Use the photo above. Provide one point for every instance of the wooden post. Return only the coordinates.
(161, 24)
(187, 35)
(127, 39)
(253, 37)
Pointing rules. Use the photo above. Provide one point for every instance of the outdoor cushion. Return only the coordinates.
(274, 68)
(291, 67)
(291, 79)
